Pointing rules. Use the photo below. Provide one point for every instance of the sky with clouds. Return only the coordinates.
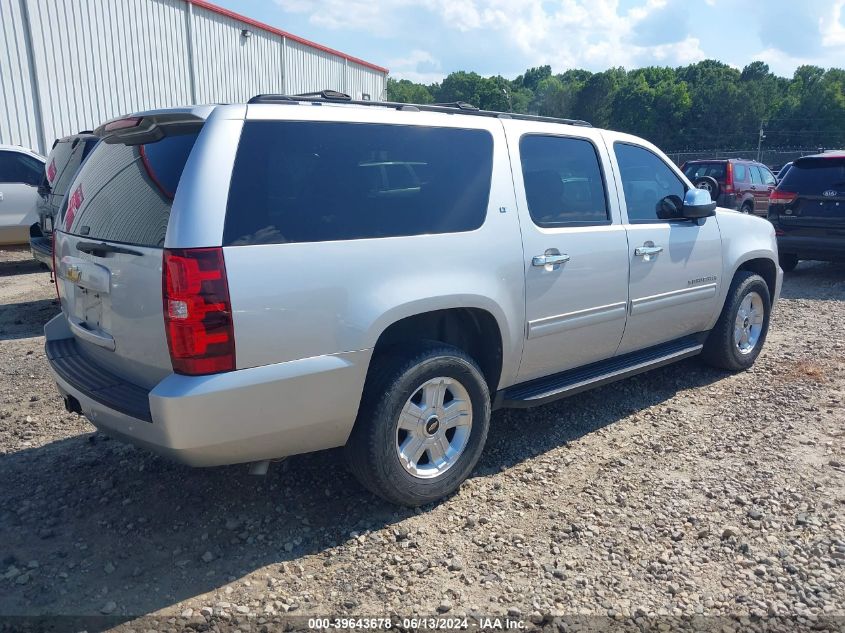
(423, 40)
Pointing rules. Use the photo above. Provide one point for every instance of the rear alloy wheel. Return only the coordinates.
(736, 340)
(421, 426)
(788, 262)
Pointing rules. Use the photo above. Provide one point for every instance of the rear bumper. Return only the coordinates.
(42, 250)
(821, 248)
(241, 416)
(727, 200)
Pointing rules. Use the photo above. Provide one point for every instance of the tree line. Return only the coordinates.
(706, 105)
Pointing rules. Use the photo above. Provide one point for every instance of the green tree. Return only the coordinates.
(405, 91)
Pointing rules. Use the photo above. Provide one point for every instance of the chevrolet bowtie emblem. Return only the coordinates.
(73, 273)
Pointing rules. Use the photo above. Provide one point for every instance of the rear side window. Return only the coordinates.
(740, 173)
(814, 176)
(299, 181)
(16, 167)
(124, 193)
(563, 181)
(646, 180)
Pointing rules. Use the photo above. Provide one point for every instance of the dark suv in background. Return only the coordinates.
(734, 183)
(808, 210)
(64, 161)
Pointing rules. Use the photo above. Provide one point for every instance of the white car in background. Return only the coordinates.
(21, 171)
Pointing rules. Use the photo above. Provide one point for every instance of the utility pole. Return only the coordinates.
(760, 142)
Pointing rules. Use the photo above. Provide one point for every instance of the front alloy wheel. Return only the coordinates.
(749, 322)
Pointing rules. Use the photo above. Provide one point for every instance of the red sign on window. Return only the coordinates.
(73, 204)
(51, 171)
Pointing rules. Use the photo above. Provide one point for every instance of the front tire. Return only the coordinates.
(421, 426)
(736, 340)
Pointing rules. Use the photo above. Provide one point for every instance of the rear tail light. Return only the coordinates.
(729, 179)
(197, 311)
(54, 274)
(782, 197)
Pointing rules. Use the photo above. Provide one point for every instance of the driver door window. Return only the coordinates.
(646, 180)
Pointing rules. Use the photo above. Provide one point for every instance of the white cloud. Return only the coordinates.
(419, 66)
(832, 27)
(593, 34)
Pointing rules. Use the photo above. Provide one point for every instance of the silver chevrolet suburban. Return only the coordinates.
(244, 282)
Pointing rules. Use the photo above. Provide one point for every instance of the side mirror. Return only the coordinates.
(698, 204)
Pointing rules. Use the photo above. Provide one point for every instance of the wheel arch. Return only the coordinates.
(473, 329)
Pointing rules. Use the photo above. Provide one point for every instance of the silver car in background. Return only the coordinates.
(244, 282)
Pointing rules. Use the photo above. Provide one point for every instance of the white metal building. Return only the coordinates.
(69, 65)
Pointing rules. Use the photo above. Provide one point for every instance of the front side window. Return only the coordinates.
(563, 181)
(646, 180)
(19, 168)
(756, 177)
(297, 181)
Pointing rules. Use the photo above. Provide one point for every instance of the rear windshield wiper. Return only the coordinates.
(100, 249)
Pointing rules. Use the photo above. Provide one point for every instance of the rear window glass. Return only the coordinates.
(311, 182)
(124, 193)
(814, 176)
(64, 162)
(698, 170)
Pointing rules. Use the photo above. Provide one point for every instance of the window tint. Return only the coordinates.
(646, 180)
(16, 167)
(563, 181)
(740, 173)
(814, 176)
(308, 182)
(67, 158)
(123, 193)
(756, 178)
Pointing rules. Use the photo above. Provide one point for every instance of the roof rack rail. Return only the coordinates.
(332, 95)
(457, 107)
(461, 105)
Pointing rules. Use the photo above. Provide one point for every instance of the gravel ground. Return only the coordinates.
(681, 492)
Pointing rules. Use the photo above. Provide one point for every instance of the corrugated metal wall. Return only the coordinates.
(18, 116)
(68, 65)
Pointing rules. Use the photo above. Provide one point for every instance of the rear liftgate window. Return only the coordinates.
(124, 193)
(313, 182)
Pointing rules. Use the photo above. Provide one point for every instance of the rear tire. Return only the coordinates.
(421, 426)
(788, 262)
(747, 208)
(736, 340)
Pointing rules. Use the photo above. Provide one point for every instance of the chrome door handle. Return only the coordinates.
(549, 260)
(645, 251)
